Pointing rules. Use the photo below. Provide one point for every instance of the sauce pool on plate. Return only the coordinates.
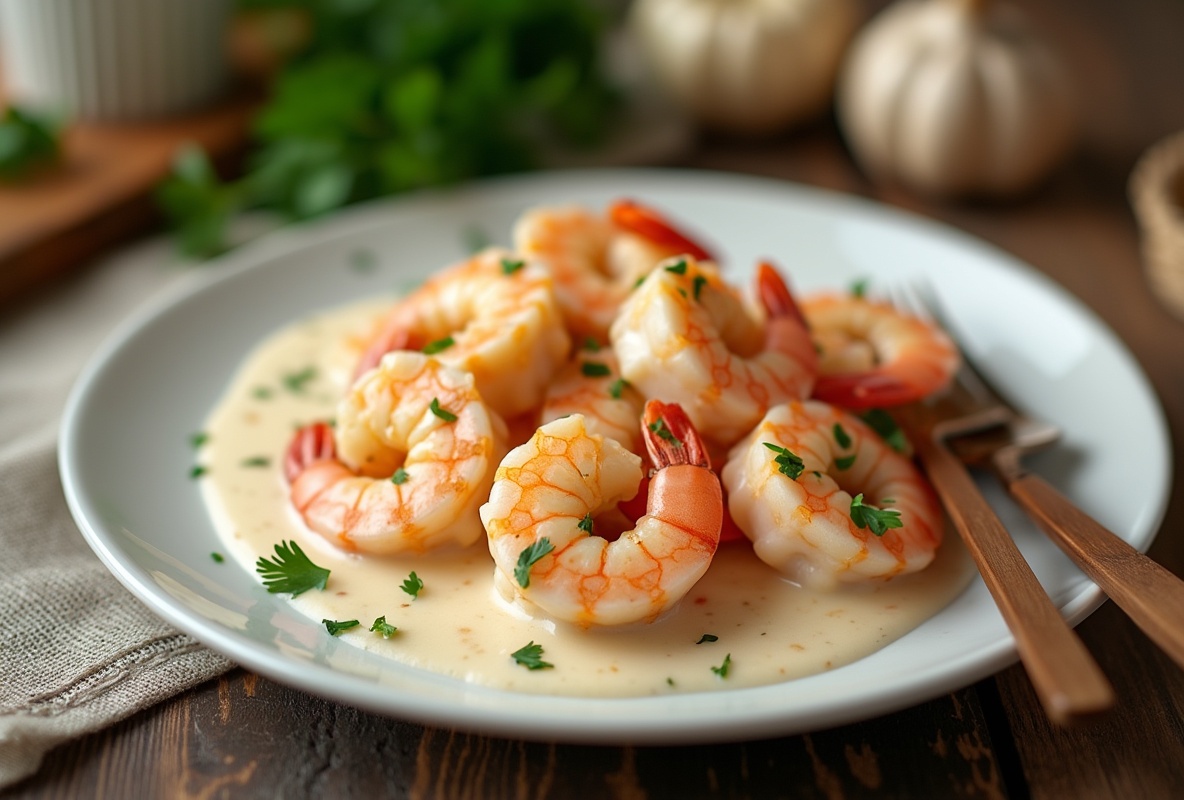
(741, 625)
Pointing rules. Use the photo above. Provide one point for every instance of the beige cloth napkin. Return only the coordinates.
(78, 652)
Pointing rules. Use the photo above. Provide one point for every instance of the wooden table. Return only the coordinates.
(245, 736)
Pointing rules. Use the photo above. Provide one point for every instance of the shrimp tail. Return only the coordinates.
(671, 438)
(859, 391)
(649, 224)
(775, 296)
(312, 443)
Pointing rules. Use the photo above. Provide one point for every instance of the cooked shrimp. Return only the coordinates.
(412, 460)
(872, 355)
(544, 504)
(686, 336)
(597, 259)
(826, 501)
(494, 315)
(591, 384)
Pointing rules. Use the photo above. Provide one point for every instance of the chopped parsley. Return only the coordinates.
(722, 669)
(531, 656)
(431, 348)
(412, 585)
(845, 462)
(697, 285)
(883, 424)
(707, 637)
(295, 381)
(511, 265)
(256, 461)
(217, 557)
(878, 521)
(399, 477)
(591, 345)
(197, 471)
(617, 388)
(594, 369)
(789, 464)
(291, 571)
(586, 523)
(841, 436)
(196, 440)
(678, 267)
(335, 627)
(383, 628)
(261, 393)
(658, 427)
(859, 288)
(442, 413)
(528, 558)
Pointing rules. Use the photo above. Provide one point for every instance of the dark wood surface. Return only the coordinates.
(245, 736)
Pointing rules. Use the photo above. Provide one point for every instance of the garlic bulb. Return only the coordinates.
(747, 66)
(955, 98)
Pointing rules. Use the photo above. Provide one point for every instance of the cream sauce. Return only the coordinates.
(768, 629)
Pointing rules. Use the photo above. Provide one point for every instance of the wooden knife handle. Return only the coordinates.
(1150, 595)
(1068, 681)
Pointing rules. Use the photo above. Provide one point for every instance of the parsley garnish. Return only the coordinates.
(707, 637)
(845, 462)
(399, 477)
(882, 423)
(859, 288)
(334, 627)
(678, 267)
(591, 345)
(431, 348)
(586, 523)
(659, 428)
(788, 463)
(442, 413)
(510, 265)
(594, 369)
(28, 140)
(256, 461)
(294, 381)
(197, 471)
(261, 393)
(528, 558)
(291, 571)
(841, 436)
(878, 521)
(531, 656)
(697, 285)
(412, 585)
(381, 626)
(617, 388)
(722, 669)
(218, 558)
(198, 439)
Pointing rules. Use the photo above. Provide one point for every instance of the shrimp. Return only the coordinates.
(686, 336)
(811, 486)
(872, 355)
(590, 384)
(544, 505)
(412, 460)
(596, 260)
(494, 315)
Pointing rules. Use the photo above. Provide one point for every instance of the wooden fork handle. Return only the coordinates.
(1149, 594)
(1067, 680)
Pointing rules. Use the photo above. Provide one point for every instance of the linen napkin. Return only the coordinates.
(78, 652)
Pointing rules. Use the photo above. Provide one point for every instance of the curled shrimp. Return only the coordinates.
(596, 259)
(494, 315)
(591, 384)
(412, 459)
(811, 485)
(684, 335)
(872, 355)
(542, 513)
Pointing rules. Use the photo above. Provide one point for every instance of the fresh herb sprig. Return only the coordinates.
(291, 571)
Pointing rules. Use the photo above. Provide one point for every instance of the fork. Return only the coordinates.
(1068, 681)
(1150, 595)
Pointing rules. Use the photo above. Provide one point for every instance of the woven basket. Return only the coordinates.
(1157, 196)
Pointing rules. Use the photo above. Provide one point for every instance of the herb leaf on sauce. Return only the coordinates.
(335, 627)
(217, 557)
(531, 656)
(412, 585)
(291, 571)
(383, 628)
(722, 669)
(295, 381)
(707, 637)
(528, 558)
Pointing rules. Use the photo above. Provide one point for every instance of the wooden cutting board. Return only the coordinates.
(101, 192)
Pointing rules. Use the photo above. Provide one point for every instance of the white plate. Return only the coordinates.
(125, 455)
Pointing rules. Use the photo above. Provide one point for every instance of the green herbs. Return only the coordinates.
(217, 557)
(697, 285)
(197, 471)
(440, 412)
(255, 462)
(412, 585)
(788, 463)
(399, 477)
(382, 628)
(722, 669)
(512, 265)
(296, 382)
(531, 656)
(27, 141)
(389, 96)
(291, 571)
(586, 523)
(882, 423)
(859, 288)
(659, 429)
(198, 439)
(335, 627)
(594, 369)
(528, 558)
(438, 346)
(878, 521)
(707, 637)
(678, 267)
(842, 438)
(617, 388)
